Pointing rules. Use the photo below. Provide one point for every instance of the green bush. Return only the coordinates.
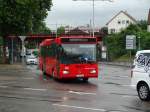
(116, 42)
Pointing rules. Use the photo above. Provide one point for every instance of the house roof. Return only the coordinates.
(149, 18)
(120, 13)
(77, 31)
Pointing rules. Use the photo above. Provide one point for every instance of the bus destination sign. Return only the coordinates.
(78, 40)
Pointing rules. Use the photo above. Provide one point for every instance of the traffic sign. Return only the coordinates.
(131, 42)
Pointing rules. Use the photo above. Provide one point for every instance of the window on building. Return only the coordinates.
(127, 22)
(112, 30)
(119, 22)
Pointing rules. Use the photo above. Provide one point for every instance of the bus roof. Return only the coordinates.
(47, 42)
(73, 36)
(70, 39)
(78, 39)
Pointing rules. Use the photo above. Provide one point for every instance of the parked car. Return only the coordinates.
(141, 74)
(31, 59)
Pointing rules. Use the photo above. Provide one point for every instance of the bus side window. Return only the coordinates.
(61, 50)
(50, 51)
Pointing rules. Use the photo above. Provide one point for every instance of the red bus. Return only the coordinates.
(69, 57)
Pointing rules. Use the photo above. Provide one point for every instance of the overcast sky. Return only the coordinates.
(79, 13)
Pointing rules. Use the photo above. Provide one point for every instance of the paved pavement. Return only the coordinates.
(28, 90)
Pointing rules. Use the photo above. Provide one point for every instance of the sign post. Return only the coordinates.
(12, 50)
(22, 38)
(130, 45)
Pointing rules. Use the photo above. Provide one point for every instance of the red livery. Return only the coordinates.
(69, 57)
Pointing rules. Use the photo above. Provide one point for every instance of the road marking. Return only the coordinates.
(35, 89)
(126, 85)
(28, 78)
(77, 107)
(3, 86)
(81, 93)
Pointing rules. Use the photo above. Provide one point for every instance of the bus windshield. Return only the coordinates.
(78, 53)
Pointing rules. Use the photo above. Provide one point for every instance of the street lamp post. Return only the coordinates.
(93, 15)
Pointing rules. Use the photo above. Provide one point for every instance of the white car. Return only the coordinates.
(141, 74)
(31, 60)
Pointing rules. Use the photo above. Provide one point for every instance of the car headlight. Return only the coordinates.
(92, 71)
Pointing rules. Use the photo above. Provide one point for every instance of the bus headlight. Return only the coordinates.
(65, 72)
(93, 71)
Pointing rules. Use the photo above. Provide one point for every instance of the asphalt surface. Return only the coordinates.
(25, 89)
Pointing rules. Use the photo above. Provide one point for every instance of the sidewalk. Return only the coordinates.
(125, 64)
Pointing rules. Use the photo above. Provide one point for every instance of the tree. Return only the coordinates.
(19, 17)
(61, 30)
(42, 29)
(143, 24)
(1, 41)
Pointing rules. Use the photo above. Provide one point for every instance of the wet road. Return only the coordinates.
(25, 89)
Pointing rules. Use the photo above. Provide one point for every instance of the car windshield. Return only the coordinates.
(31, 57)
(78, 53)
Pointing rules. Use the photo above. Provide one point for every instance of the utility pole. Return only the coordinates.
(139, 46)
(93, 12)
(56, 30)
(90, 27)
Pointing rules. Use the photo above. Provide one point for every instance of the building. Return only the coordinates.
(148, 27)
(119, 22)
(87, 29)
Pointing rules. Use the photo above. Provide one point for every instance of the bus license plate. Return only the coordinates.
(80, 75)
